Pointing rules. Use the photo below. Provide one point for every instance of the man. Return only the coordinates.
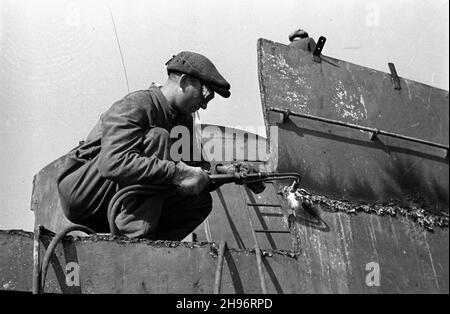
(131, 145)
(300, 39)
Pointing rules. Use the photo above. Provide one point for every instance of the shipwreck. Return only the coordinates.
(372, 204)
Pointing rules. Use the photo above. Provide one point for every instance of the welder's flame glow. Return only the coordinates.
(292, 201)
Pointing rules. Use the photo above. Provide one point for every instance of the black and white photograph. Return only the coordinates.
(224, 153)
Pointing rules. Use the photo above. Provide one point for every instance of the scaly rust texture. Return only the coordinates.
(420, 215)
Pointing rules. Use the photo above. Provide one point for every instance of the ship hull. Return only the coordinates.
(377, 214)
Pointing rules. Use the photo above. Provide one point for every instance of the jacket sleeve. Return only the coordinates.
(121, 157)
(188, 122)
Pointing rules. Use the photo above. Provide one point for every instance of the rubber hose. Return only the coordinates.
(52, 246)
(114, 204)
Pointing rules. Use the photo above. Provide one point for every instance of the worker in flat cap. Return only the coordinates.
(300, 39)
(130, 145)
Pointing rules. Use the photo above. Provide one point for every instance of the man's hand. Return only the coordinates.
(256, 187)
(190, 180)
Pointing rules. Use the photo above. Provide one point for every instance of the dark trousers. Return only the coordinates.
(85, 196)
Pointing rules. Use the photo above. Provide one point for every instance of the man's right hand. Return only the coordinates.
(247, 167)
(190, 180)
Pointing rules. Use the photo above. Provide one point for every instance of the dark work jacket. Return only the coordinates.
(112, 155)
(121, 131)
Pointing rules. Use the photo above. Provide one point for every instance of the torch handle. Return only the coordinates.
(238, 178)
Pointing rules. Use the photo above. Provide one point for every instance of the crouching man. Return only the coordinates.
(131, 145)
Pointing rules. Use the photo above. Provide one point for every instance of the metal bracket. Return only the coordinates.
(373, 135)
(318, 50)
(286, 115)
(394, 76)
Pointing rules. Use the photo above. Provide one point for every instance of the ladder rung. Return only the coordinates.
(271, 214)
(271, 231)
(263, 205)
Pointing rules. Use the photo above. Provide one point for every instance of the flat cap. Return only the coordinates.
(200, 67)
(298, 33)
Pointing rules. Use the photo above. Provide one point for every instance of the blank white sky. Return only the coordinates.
(60, 66)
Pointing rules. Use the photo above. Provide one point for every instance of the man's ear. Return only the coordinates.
(183, 81)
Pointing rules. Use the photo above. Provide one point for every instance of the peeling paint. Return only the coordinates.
(285, 75)
(361, 100)
(348, 105)
(9, 285)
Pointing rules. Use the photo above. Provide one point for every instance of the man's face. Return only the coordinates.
(195, 96)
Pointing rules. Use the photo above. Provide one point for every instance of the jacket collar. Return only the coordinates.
(172, 113)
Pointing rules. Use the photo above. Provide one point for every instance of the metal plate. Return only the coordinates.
(345, 163)
(331, 262)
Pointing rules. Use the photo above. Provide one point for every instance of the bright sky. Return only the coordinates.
(60, 66)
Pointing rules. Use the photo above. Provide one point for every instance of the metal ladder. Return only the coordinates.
(258, 253)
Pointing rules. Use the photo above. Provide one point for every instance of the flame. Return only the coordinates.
(292, 200)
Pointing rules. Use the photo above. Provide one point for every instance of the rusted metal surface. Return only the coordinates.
(345, 163)
(45, 201)
(327, 249)
(16, 260)
(333, 261)
(421, 216)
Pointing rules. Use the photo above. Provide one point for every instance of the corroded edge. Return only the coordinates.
(213, 246)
